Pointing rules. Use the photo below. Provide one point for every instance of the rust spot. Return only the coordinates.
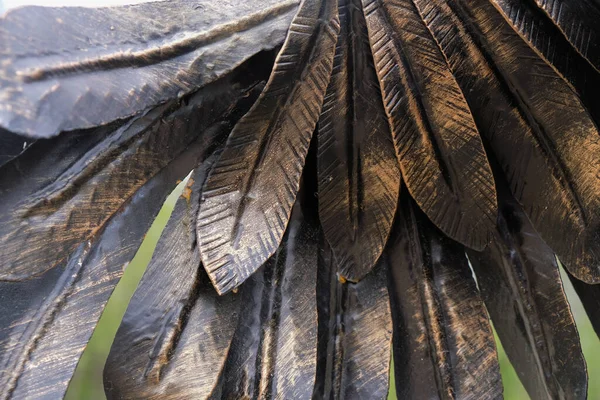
(187, 191)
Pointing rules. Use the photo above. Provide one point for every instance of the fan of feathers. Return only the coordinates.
(370, 180)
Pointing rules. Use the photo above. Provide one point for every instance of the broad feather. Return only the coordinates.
(74, 68)
(577, 21)
(371, 179)
(564, 132)
(248, 197)
(520, 281)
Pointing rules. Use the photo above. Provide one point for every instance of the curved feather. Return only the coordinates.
(175, 342)
(46, 321)
(550, 43)
(577, 21)
(249, 194)
(355, 333)
(566, 133)
(174, 297)
(273, 353)
(359, 177)
(443, 344)
(534, 176)
(62, 191)
(520, 283)
(74, 67)
(442, 159)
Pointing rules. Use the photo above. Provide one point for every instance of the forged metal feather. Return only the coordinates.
(443, 343)
(577, 21)
(73, 68)
(249, 194)
(256, 352)
(550, 43)
(534, 176)
(59, 201)
(566, 134)
(359, 178)
(58, 310)
(355, 334)
(166, 86)
(148, 357)
(442, 160)
(520, 283)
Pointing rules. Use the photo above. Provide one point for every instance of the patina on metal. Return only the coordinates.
(370, 179)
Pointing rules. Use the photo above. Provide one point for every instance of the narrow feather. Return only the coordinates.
(566, 134)
(175, 342)
(359, 177)
(577, 21)
(273, 352)
(534, 177)
(355, 333)
(442, 159)
(443, 343)
(157, 349)
(549, 42)
(249, 195)
(73, 68)
(520, 283)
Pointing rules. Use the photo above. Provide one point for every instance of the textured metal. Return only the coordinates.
(57, 308)
(576, 20)
(567, 136)
(443, 343)
(250, 192)
(73, 68)
(265, 348)
(359, 177)
(520, 282)
(293, 212)
(441, 156)
(355, 333)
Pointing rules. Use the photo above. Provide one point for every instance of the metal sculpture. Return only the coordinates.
(350, 160)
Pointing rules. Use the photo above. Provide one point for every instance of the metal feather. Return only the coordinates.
(359, 177)
(443, 344)
(73, 68)
(577, 21)
(249, 194)
(441, 156)
(520, 283)
(565, 133)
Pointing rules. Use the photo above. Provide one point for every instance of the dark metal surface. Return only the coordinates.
(359, 177)
(57, 308)
(289, 211)
(520, 282)
(72, 68)
(250, 192)
(443, 343)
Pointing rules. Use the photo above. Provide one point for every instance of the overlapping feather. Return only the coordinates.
(359, 177)
(249, 194)
(441, 156)
(456, 78)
